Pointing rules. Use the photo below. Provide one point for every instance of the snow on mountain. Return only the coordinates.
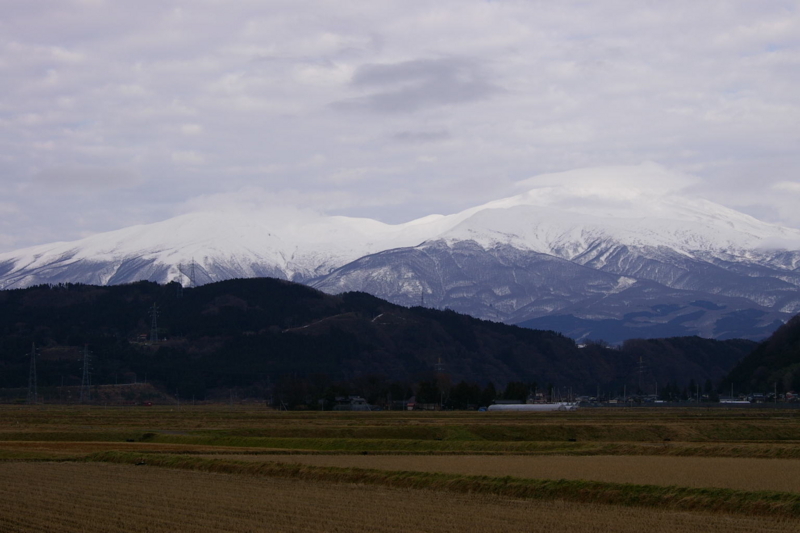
(566, 220)
(604, 262)
(288, 244)
(586, 251)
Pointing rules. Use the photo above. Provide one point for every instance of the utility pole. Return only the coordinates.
(86, 393)
(33, 394)
(640, 371)
(440, 382)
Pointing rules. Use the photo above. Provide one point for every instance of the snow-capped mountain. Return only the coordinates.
(637, 261)
(643, 265)
(288, 244)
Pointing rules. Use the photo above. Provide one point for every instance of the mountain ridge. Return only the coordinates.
(590, 253)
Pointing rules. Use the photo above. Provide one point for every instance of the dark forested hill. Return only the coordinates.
(256, 335)
(775, 362)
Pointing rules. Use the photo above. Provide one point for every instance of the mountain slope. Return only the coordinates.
(775, 363)
(598, 261)
(520, 259)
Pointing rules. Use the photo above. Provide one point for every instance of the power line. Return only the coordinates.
(33, 393)
(86, 393)
(154, 323)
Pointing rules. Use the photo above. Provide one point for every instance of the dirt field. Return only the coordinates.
(79, 474)
(67, 497)
(741, 474)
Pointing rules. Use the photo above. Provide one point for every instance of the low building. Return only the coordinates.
(351, 403)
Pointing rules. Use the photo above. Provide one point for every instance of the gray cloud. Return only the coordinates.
(421, 136)
(80, 178)
(413, 85)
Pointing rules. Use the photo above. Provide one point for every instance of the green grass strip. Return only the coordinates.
(665, 497)
(22, 455)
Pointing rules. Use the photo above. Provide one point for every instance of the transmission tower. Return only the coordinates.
(33, 395)
(154, 323)
(189, 272)
(183, 274)
(86, 394)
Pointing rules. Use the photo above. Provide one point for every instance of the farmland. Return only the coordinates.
(251, 469)
(127, 498)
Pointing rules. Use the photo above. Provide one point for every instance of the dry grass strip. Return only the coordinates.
(782, 475)
(184, 444)
(110, 498)
(212, 443)
(669, 497)
(82, 447)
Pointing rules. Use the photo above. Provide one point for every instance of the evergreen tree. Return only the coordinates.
(488, 395)
(516, 390)
(428, 392)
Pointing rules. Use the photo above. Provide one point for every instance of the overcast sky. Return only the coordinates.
(115, 113)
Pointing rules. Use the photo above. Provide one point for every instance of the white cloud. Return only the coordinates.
(288, 200)
(787, 186)
(191, 129)
(351, 175)
(390, 109)
(323, 75)
(188, 157)
(648, 176)
(8, 209)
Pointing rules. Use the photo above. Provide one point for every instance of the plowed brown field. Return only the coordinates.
(781, 475)
(67, 497)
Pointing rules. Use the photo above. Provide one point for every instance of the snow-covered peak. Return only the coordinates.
(641, 209)
(547, 219)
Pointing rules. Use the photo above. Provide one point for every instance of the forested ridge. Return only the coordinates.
(266, 336)
(774, 364)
